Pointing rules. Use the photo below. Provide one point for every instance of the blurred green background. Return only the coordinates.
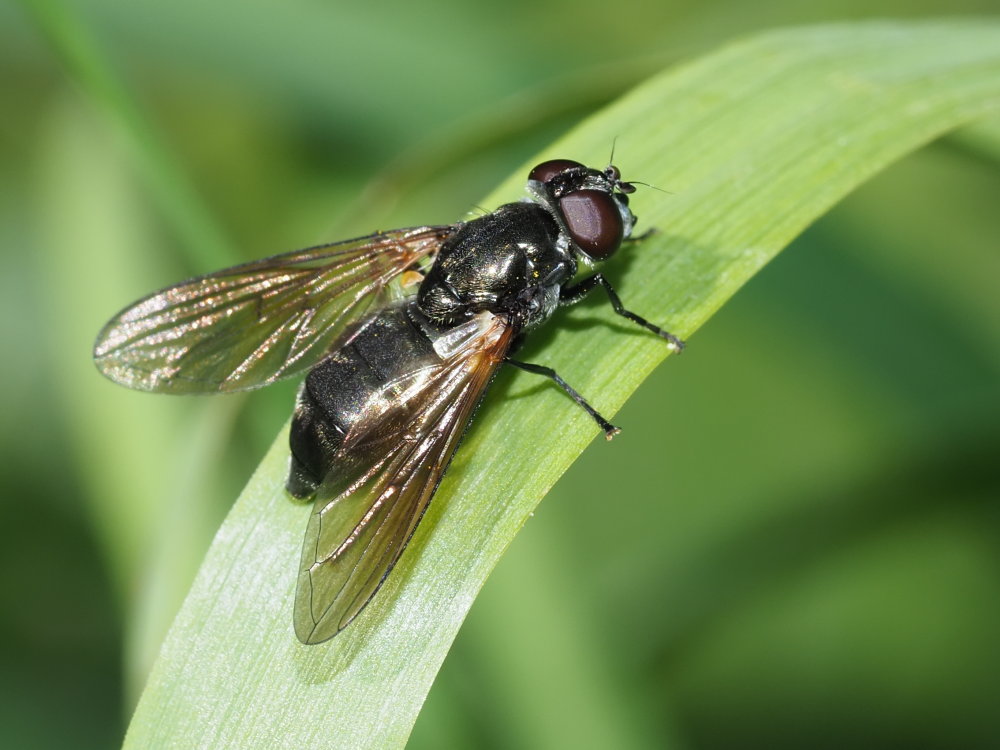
(796, 541)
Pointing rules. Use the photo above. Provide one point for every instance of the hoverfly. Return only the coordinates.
(394, 377)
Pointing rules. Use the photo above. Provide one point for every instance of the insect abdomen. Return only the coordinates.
(341, 388)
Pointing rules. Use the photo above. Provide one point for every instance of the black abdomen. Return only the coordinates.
(342, 388)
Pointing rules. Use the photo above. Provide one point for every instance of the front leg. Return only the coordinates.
(571, 294)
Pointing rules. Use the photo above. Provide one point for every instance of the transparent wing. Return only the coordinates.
(384, 477)
(247, 326)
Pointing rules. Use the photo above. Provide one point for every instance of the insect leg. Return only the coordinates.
(609, 429)
(576, 292)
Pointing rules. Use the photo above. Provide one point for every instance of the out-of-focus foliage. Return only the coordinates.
(817, 564)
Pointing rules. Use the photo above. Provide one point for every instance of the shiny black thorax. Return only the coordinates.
(509, 262)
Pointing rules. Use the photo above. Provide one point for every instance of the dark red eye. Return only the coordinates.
(594, 222)
(549, 169)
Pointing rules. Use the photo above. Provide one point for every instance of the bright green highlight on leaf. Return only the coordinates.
(753, 142)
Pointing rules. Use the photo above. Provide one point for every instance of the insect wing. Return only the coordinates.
(252, 324)
(385, 474)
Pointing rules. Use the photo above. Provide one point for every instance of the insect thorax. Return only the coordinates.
(511, 261)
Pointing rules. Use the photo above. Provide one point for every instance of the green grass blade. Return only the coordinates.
(982, 138)
(753, 142)
(202, 240)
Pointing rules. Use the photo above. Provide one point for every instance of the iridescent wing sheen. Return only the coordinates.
(385, 474)
(247, 326)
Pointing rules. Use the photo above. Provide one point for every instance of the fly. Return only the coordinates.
(400, 334)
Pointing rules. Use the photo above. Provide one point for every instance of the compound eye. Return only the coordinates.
(552, 168)
(594, 222)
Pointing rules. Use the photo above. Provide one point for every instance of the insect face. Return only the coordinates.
(592, 204)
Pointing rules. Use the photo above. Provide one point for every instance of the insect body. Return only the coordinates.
(393, 380)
